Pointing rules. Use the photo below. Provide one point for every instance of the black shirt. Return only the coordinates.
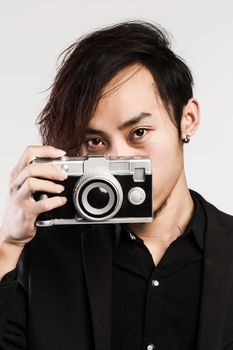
(157, 307)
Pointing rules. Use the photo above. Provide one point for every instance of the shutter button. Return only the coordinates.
(65, 167)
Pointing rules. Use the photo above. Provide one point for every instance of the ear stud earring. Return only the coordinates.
(186, 139)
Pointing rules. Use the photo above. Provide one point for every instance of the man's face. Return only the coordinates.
(130, 120)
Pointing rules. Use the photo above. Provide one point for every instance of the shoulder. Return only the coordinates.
(215, 217)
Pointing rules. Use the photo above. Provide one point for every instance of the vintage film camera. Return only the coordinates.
(101, 189)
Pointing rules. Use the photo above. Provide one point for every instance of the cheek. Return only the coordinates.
(167, 165)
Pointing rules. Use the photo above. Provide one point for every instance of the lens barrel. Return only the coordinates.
(97, 196)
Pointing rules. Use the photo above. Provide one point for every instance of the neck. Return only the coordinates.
(172, 220)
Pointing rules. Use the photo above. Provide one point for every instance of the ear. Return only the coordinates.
(190, 118)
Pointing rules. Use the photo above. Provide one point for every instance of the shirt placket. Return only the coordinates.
(154, 312)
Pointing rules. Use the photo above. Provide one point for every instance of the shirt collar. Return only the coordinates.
(196, 226)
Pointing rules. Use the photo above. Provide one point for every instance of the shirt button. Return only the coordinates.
(150, 347)
(155, 283)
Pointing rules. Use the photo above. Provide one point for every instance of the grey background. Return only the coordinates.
(33, 34)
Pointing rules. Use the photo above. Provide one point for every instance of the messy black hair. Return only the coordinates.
(91, 62)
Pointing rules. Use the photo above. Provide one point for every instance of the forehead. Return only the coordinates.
(130, 92)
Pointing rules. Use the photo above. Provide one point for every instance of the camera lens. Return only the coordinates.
(97, 197)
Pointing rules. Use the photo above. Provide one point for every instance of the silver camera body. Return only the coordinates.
(101, 189)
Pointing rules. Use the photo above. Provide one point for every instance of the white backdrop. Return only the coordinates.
(33, 33)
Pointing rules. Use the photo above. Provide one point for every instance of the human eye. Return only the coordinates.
(94, 144)
(138, 134)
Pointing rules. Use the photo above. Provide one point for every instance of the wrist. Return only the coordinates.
(9, 256)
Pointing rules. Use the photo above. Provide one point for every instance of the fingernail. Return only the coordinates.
(60, 188)
(61, 152)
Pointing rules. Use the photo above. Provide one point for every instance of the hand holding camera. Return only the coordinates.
(97, 189)
(18, 226)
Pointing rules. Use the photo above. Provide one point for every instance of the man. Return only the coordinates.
(162, 285)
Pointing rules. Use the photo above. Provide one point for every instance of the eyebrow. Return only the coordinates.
(123, 126)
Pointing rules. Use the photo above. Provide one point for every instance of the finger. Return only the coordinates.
(39, 170)
(47, 204)
(32, 185)
(27, 210)
(31, 152)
